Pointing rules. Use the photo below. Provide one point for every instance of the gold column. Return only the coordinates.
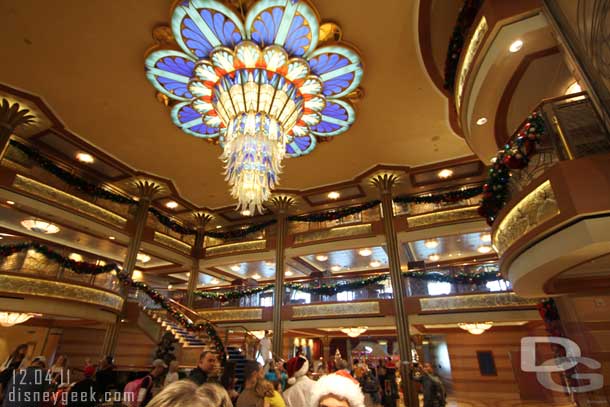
(11, 117)
(384, 182)
(282, 203)
(201, 220)
(146, 191)
(325, 349)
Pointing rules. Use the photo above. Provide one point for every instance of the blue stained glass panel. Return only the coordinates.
(195, 40)
(298, 38)
(337, 85)
(264, 28)
(324, 63)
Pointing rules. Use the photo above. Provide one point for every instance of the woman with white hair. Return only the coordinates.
(337, 390)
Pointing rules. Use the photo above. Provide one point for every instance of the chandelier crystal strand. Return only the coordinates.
(253, 154)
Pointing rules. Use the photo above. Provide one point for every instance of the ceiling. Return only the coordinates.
(86, 60)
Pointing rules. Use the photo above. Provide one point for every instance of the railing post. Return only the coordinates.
(201, 221)
(282, 203)
(384, 182)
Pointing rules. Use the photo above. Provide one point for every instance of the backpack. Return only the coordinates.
(131, 392)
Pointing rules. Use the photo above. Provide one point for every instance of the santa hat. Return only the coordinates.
(340, 384)
(296, 367)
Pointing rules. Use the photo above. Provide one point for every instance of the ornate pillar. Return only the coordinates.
(282, 203)
(146, 190)
(201, 220)
(325, 350)
(384, 182)
(11, 117)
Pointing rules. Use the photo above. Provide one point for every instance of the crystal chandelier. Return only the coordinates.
(354, 332)
(8, 319)
(476, 328)
(264, 88)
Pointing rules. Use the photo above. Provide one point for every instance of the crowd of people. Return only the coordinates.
(276, 384)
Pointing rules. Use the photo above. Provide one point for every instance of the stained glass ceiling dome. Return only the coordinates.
(265, 86)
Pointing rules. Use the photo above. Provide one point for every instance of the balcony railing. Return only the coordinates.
(573, 130)
(381, 290)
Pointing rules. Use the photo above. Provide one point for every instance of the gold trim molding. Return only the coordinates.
(56, 196)
(333, 233)
(12, 284)
(335, 310)
(236, 247)
(451, 215)
(248, 314)
(534, 209)
(471, 51)
(172, 242)
(476, 301)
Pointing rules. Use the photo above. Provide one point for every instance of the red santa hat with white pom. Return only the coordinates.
(296, 367)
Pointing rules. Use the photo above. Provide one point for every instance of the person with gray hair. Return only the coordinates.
(185, 393)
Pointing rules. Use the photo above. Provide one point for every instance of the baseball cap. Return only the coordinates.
(158, 363)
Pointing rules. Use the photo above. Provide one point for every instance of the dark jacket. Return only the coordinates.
(198, 376)
(433, 390)
(83, 394)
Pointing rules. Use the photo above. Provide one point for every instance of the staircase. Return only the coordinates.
(185, 338)
(237, 357)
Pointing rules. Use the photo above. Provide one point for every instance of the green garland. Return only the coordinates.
(333, 214)
(335, 288)
(448, 197)
(82, 267)
(69, 178)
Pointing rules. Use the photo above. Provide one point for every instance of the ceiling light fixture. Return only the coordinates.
(246, 212)
(354, 332)
(375, 264)
(75, 257)
(263, 89)
(169, 286)
(40, 226)
(256, 276)
(85, 158)
(235, 267)
(143, 257)
(10, 202)
(481, 121)
(431, 244)
(335, 268)
(8, 319)
(333, 195)
(573, 88)
(218, 226)
(213, 281)
(288, 273)
(476, 328)
(321, 257)
(111, 237)
(445, 173)
(484, 249)
(137, 275)
(366, 252)
(515, 46)
(486, 237)
(434, 257)
(171, 204)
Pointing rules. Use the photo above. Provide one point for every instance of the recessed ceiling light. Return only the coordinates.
(213, 281)
(10, 202)
(75, 257)
(444, 174)
(288, 273)
(434, 257)
(171, 204)
(169, 286)
(321, 257)
(486, 237)
(365, 252)
(573, 88)
(256, 276)
(218, 226)
(143, 257)
(431, 244)
(40, 226)
(246, 212)
(484, 249)
(375, 263)
(333, 195)
(85, 158)
(336, 268)
(481, 121)
(516, 46)
(235, 267)
(111, 237)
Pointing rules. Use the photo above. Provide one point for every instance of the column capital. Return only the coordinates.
(385, 181)
(147, 189)
(201, 219)
(282, 202)
(13, 116)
